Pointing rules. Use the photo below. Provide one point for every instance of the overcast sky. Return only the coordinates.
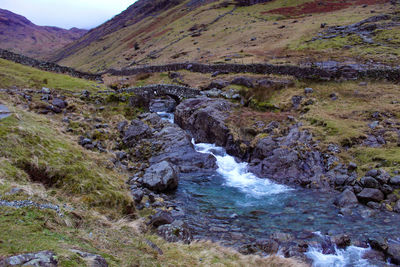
(84, 14)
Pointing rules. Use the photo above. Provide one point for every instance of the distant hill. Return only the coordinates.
(238, 31)
(20, 35)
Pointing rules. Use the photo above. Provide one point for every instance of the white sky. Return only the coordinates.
(66, 14)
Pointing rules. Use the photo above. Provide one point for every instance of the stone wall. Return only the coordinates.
(46, 66)
(348, 72)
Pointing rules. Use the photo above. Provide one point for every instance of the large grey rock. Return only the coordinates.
(370, 194)
(242, 80)
(161, 177)
(369, 182)
(205, 119)
(58, 102)
(218, 84)
(42, 258)
(160, 218)
(345, 199)
(284, 159)
(137, 130)
(177, 231)
(174, 145)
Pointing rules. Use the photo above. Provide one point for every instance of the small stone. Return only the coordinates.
(308, 90)
(333, 96)
(373, 205)
(373, 125)
(45, 90)
(352, 166)
(137, 195)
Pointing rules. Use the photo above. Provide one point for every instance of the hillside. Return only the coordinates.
(280, 31)
(20, 35)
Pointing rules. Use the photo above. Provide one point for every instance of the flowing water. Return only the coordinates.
(233, 206)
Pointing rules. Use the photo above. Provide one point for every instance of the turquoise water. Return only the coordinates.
(234, 207)
(233, 202)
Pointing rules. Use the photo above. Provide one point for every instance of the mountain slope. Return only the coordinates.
(20, 35)
(277, 31)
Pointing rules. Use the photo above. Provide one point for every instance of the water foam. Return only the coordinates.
(237, 175)
(348, 257)
(351, 256)
(166, 116)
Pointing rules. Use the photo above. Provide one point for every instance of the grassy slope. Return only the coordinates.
(229, 37)
(16, 75)
(93, 198)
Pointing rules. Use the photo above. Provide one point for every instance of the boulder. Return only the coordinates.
(383, 177)
(137, 130)
(174, 145)
(370, 194)
(342, 241)
(177, 231)
(205, 119)
(160, 218)
(161, 177)
(59, 103)
(42, 258)
(218, 84)
(244, 81)
(379, 244)
(369, 182)
(345, 199)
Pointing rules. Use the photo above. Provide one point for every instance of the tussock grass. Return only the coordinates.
(33, 150)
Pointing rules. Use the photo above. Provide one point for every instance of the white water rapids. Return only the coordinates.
(237, 175)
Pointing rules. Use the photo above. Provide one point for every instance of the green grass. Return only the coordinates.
(13, 74)
(30, 145)
(385, 157)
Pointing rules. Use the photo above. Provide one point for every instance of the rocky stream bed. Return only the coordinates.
(213, 195)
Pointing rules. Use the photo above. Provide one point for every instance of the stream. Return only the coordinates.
(234, 207)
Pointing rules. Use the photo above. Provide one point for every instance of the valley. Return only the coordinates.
(207, 133)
